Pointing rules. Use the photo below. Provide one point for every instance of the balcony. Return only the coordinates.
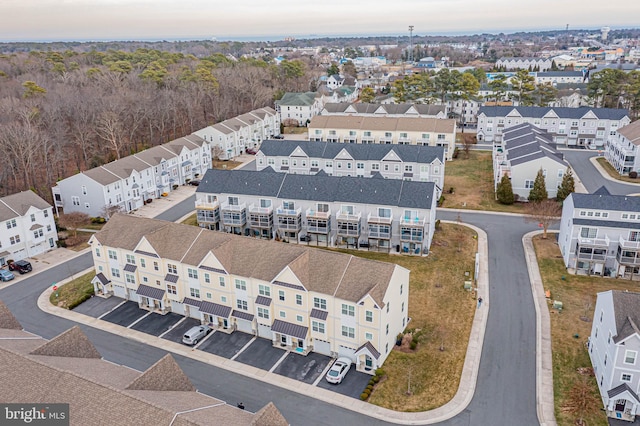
(591, 253)
(260, 217)
(421, 141)
(260, 210)
(234, 215)
(379, 231)
(413, 222)
(385, 140)
(628, 257)
(348, 217)
(411, 234)
(311, 213)
(206, 205)
(318, 226)
(627, 244)
(594, 242)
(379, 219)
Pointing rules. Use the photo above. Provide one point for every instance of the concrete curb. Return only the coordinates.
(603, 172)
(544, 361)
(456, 405)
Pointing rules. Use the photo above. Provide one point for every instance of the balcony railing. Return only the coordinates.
(234, 207)
(202, 204)
(415, 221)
(386, 140)
(311, 213)
(346, 231)
(281, 211)
(407, 236)
(422, 141)
(294, 224)
(379, 219)
(318, 226)
(592, 256)
(627, 244)
(260, 210)
(628, 260)
(594, 242)
(348, 217)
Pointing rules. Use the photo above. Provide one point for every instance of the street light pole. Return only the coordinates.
(410, 55)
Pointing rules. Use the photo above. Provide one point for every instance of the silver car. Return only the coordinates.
(195, 334)
(6, 275)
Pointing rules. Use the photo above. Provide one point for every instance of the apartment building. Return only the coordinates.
(582, 127)
(373, 213)
(302, 299)
(27, 227)
(621, 149)
(527, 150)
(614, 345)
(232, 137)
(524, 63)
(408, 162)
(129, 182)
(299, 107)
(385, 130)
(600, 234)
(386, 110)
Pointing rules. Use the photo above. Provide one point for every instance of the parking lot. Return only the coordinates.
(241, 347)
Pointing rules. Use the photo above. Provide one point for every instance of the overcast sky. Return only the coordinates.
(169, 19)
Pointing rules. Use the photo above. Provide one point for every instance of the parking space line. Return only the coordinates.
(324, 373)
(113, 309)
(173, 326)
(204, 340)
(279, 361)
(139, 319)
(243, 348)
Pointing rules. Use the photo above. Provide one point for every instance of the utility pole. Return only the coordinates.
(410, 54)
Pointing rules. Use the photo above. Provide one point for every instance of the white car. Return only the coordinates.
(338, 370)
(194, 334)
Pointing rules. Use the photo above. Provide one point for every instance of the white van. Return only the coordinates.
(195, 334)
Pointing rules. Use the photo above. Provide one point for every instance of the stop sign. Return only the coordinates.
(55, 287)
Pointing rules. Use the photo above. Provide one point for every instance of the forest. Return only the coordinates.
(67, 111)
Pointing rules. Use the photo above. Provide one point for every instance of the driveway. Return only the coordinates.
(126, 314)
(178, 330)
(352, 385)
(591, 177)
(303, 368)
(225, 345)
(156, 324)
(261, 354)
(97, 306)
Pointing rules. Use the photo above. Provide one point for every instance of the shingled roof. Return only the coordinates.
(7, 320)
(626, 306)
(18, 204)
(525, 142)
(562, 112)
(73, 343)
(606, 201)
(438, 125)
(631, 132)
(269, 416)
(164, 375)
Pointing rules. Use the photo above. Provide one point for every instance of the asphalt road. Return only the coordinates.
(590, 176)
(506, 386)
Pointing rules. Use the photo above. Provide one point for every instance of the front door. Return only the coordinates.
(620, 403)
(300, 343)
(283, 340)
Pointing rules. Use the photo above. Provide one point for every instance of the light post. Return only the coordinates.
(410, 55)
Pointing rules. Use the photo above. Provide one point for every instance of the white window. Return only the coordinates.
(319, 303)
(75, 201)
(264, 290)
(172, 269)
(588, 232)
(207, 278)
(348, 310)
(113, 255)
(172, 289)
(368, 316)
(630, 357)
(223, 299)
(299, 318)
(131, 259)
(242, 304)
(194, 292)
(318, 327)
(281, 295)
(130, 278)
(241, 284)
(282, 314)
(298, 299)
(528, 184)
(143, 264)
(263, 312)
(221, 281)
(368, 336)
(349, 332)
(626, 377)
(115, 272)
(193, 273)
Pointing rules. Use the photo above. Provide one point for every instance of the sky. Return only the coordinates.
(81, 20)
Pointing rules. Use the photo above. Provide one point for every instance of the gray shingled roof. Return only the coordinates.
(562, 112)
(164, 375)
(370, 348)
(606, 202)
(382, 109)
(7, 320)
(319, 314)
(18, 204)
(297, 99)
(152, 292)
(73, 343)
(626, 307)
(215, 309)
(606, 223)
(620, 389)
(361, 190)
(264, 301)
(329, 150)
(242, 315)
(525, 142)
(290, 329)
(192, 302)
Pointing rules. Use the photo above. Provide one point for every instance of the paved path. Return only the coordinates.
(592, 176)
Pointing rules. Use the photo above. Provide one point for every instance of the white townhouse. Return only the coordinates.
(386, 110)
(524, 63)
(614, 345)
(408, 162)
(600, 234)
(335, 81)
(525, 150)
(300, 107)
(583, 127)
(385, 130)
(621, 149)
(301, 299)
(129, 182)
(561, 77)
(355, 212)
(27, 227)
(232, 137)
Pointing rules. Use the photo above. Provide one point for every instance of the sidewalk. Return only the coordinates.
(603, 172)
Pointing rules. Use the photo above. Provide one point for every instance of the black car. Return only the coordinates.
(278, 137)
(21, 266)
(194, 182)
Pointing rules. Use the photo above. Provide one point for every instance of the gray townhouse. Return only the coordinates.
(408, 162)
(614, 345)
(526, 150)
(621, 149)
(574, 127)
(129, 182)
(386, 110)
(600, 234)
(357, 212)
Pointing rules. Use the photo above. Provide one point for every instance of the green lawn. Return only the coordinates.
(613, 172)
(73, 293)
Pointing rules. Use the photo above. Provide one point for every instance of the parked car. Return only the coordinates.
(278, 137)
(21, 266)
(338, 370)
(194, 182)
(194, 334)
(6, 275)
(251, 151)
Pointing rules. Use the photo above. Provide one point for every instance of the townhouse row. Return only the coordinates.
(355, 212)
(621, 149)
(302, 299)
(385, 130)
(27, 226)
(407, 162)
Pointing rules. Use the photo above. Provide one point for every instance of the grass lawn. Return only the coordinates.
(191, 220)
(613, 172)
(73, 293)
(230, 164)
(578, 295)
(439, 307)
(295, 130)
(472, 181)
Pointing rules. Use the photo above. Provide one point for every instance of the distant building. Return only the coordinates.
(531, 64)
(300, 107)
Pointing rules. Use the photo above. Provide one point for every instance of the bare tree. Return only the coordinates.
(109, 210)
(110, 129)
(581, 400)
(545, 213)
(74, 220)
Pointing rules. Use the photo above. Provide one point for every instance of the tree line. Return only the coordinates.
(63, 112)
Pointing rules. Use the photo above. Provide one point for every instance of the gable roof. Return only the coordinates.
(437, 125)
(164, 375)
(298, 99)
(375, 152)
(347, 189)
(269, 416)
(318, 270)
(386, 109)
(600, 200)
(7, 320)
(73, 343)
(18, 204)
(626, 306)
(631, 132)
(562, 112)
(525, 142)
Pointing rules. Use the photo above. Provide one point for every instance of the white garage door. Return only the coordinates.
(348, 352)
(119, 291)
(244, 326)
(265, 331)
(194, 312)
(177, 307)
(133, 296)
(322, 347)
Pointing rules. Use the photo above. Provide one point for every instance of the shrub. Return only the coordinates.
(451, 190)
(441, 200)
(380, 372)
(456, 151)
(633, 174)
(371, 381)
(369, 388)
(413, 345)
(438, 224)
(375, 379)
(364, 396)
(62, 243)
(175, 187)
